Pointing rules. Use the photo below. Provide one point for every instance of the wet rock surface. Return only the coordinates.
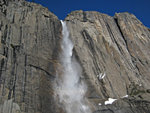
(112, 51)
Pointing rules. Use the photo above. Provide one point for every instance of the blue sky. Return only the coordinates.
(140, 8)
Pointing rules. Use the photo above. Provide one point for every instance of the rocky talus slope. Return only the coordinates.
(117, 47)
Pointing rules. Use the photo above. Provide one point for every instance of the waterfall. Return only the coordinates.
(70, 88)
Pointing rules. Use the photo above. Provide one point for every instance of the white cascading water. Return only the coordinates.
(70, 89)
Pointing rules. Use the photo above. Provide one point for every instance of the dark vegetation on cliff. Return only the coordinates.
(30, 37)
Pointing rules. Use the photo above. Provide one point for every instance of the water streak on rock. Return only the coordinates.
(70, 89)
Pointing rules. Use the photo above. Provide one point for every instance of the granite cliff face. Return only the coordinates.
(117, 47)
(30, 37)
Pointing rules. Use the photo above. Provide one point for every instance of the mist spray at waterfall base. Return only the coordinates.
(70, 89)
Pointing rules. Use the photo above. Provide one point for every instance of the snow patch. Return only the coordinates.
(126, 96)
(99, 104)
(110, 101)
(101, 76)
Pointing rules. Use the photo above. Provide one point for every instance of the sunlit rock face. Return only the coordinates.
(29, 43)
(109, 56)
(115, 58)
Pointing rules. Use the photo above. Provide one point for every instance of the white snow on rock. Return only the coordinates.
(126, 96)
(101, 76)
(110, 101)
(99, 104)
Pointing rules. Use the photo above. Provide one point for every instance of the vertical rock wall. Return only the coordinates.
(114, 54)
(29, 42)
(112, 51)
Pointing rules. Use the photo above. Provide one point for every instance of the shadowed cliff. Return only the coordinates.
(117, 47)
